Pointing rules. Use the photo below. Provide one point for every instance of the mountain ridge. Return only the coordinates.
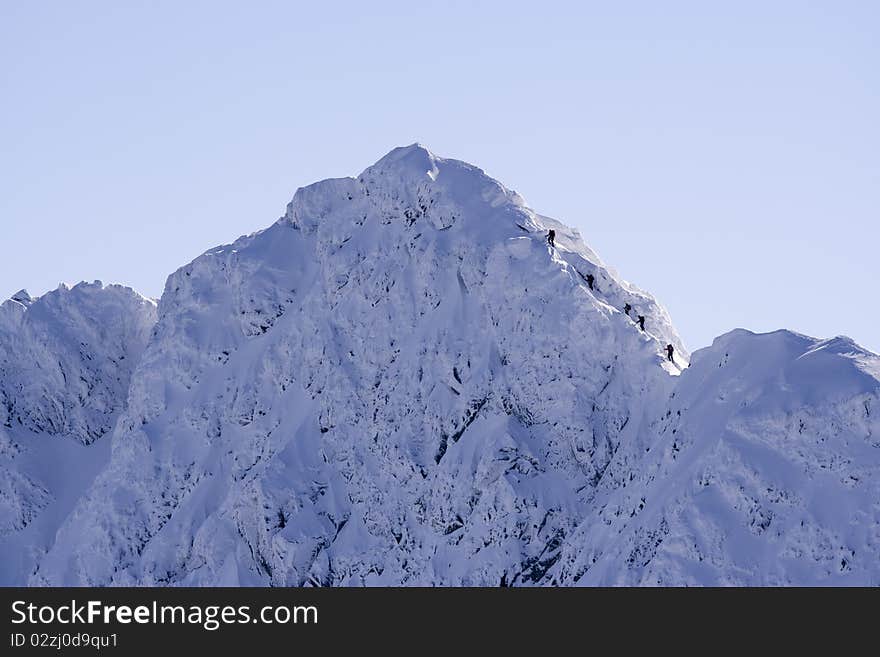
(400, 382)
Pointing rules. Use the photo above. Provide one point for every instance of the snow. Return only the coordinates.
(66, 360)
(401, 382)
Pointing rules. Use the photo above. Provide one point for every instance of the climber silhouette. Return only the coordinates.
(627, 308)
(590, 280)
(669, 351)
(551, 237)
(641, 322)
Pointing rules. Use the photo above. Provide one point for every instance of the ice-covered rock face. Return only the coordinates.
(764, 469)
(66, 360)
(398, 382)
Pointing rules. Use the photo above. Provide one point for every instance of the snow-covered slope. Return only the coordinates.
(66, 360)
(401, 382)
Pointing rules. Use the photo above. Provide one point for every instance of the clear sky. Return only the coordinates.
(723, 156)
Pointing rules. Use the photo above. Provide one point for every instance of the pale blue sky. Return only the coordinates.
(725, 158)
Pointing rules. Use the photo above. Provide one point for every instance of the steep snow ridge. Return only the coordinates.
(764, 470)
(66, 359)
(398, 382)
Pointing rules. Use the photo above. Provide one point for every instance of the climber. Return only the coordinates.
(641, 322)
(626, 309)
(590, 280)
(669, 351)
(551, 237)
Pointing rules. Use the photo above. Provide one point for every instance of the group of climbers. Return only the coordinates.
(640, 319)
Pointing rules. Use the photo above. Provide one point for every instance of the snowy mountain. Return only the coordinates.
(401, 382)
(66, 361)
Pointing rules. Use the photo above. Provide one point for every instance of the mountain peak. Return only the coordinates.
(415, 157)
(414, 185)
